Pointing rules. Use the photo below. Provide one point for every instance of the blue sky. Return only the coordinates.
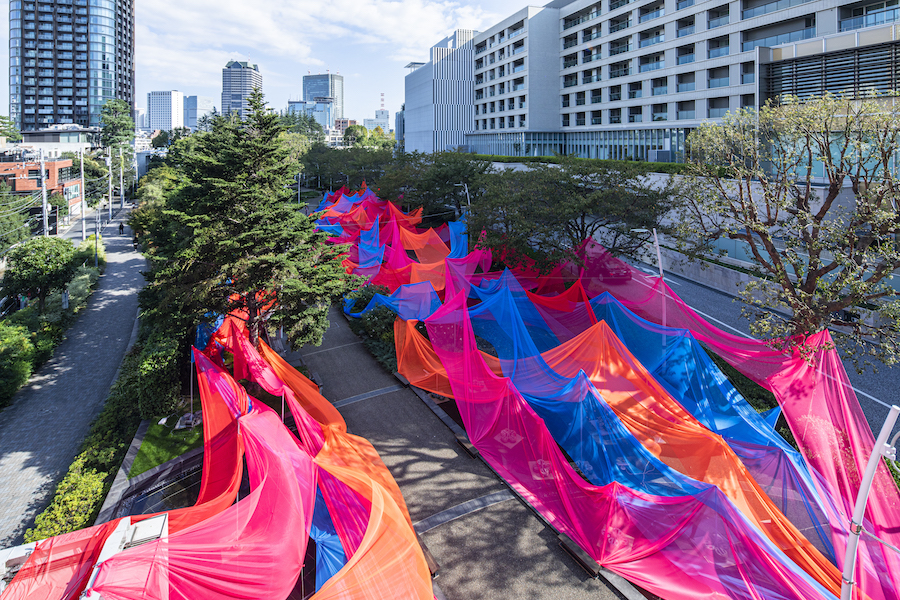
(184, 44)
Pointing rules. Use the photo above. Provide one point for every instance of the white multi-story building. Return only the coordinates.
(165, 110)
(239, 79)
(439, 96)
(631, 78)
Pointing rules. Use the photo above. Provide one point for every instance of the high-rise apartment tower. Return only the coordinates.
(325, 86)
(67, 58)
(165, 110)
(239, 79)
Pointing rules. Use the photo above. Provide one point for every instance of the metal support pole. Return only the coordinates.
(881, 449)
(109, 172)
(282, 407)
(83, 203)
(121, 180)
(44, 197)
(658, 253)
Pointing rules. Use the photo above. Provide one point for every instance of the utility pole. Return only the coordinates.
(109, 172)
(121, 180)
(83, 193)
(44, 196)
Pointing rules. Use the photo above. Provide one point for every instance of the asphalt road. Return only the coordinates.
(874, 390)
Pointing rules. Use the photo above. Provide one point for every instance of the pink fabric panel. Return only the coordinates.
(244, 551)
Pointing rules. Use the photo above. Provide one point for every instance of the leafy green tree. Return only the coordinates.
(355, 135)
(547, 211)
(204, 123)
(810, 188)
(39, 266)
(8, 129)
(233, 238)
(160, 140)
(13, 217)
(303, 124)
(59, 202)
(95, 174)
(117, 124)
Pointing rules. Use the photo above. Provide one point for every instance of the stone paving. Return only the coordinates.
(42, 430)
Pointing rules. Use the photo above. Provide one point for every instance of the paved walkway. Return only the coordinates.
(487, 543)
(42, 430)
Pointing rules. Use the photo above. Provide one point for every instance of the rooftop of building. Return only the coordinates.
(237, 64)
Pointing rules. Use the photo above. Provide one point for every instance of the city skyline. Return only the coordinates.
(181, 47)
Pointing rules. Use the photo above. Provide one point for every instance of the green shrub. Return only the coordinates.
(73, 505)
(376, 327)
(77, 500)
(16, 360)
(160, 385)
(84, 254)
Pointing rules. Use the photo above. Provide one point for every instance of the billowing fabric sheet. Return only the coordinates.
(415, 301)
(816, 398)
(60, 566)
(654, 541)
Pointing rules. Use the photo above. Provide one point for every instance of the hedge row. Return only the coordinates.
(28, 339)
(653, 167)
(147, 386)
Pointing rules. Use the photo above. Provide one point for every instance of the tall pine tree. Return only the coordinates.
(235, 239)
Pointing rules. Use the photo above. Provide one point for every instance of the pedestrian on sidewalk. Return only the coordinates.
(121, 229)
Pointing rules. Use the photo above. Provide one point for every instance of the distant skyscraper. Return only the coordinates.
(165, 110)
(139, 117)
(196, 107)
(238, 81)
(320, 109)
(325, 86)
(67, 59)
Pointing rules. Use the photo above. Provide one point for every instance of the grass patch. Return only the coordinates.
(161, 444)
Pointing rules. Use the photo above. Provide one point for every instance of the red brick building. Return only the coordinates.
(24, 176)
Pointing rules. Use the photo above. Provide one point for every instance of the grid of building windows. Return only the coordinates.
(67, 59)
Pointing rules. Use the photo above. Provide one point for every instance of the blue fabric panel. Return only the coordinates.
(330, 557)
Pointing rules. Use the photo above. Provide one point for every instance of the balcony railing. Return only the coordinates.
(784, 38)
(685, 59)
(596, 99)
(685, 31)
(652, 15)
(718, 82)
(570, 83)
(569, 43)
(652, 66)
(634, 94)
(518, 68)
(591, 57)
(686, 87)
(748, 77)
(581, 19)
(659, 116)
(635, 118)
(718, 22)
(591, 36)
(615, 119)
(619, 73)
(765, 9)
(519, 49)
(595, 121)
(660, 90)
(870, 20)
(614, 27)
(686, 114)
(656, 39)
(614, 50)
(684, 4)
(570, 63)
(614, 4)
(579, 121)
(590, 79)
(720, 51)
(717, 113)
(615, 96)
(518, 31)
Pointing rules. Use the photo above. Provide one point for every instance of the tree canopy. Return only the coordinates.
(38, 266)
(809, 188)
(8, 129)
(13, 217)
(547, 211)
(117, 124)
(231, 238)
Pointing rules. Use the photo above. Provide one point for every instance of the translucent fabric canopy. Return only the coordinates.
(660, 334)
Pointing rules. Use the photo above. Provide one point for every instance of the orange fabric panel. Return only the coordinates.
(656, 419)
(306, 391)
(389, 563)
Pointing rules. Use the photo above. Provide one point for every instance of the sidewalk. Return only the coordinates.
(42, 430)
(491, 546)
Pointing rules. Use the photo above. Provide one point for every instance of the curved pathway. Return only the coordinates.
(42, 430)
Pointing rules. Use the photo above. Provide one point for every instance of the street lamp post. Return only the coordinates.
(83, 204)
(44, 196)
(662, 287)
(109, 172)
